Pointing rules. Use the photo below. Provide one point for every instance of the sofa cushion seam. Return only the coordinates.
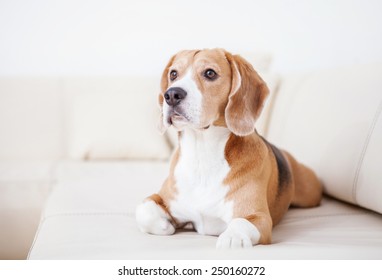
(364, 149)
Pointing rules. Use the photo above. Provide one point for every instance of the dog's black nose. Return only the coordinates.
(174, 96)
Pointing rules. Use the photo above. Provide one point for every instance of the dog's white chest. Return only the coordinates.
(199, 176)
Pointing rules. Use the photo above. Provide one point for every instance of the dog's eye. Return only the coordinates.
(173, 75)
(210, 74)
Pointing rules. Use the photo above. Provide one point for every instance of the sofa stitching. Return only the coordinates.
(364, 149)
(327, 216)
(131, 215)
(89, 214)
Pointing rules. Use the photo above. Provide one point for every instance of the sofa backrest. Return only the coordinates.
(332, 121)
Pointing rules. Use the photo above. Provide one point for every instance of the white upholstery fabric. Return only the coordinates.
(31, 119)
(331, 120)
(273, 82)
(114, 118)
(368, 188)
(90, 215)
(260, 61)
(23, 190)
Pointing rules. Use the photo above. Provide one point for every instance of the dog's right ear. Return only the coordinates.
(163, 125)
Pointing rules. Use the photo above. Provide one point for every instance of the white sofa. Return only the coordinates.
(103, 156)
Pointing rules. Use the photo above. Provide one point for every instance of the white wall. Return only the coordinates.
(118, 37)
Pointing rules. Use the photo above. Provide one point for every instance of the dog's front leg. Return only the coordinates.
(153, 216)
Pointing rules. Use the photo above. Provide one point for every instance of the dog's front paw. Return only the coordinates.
(153, 219)
(240, 233)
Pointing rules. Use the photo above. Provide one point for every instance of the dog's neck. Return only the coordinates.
(204, 142)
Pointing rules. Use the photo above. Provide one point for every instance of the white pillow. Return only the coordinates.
(114, 118)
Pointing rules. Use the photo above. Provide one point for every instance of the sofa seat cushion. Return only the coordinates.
(90, 215)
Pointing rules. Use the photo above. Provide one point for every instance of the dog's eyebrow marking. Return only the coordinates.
(196, 52)
(284, 173)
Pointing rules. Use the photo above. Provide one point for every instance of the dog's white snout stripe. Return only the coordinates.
(191, 99)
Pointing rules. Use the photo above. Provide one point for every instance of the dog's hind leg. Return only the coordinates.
(307, 187)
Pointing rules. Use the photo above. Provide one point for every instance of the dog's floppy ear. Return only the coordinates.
(162, 126)
(246, 98)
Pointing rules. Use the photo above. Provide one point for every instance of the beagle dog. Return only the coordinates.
(225, 179)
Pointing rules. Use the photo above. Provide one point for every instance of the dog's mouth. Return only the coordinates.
(175, 117)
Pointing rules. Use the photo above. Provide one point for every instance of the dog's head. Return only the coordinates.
(200, 88)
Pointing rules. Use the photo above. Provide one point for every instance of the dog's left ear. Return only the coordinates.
(247, 96)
